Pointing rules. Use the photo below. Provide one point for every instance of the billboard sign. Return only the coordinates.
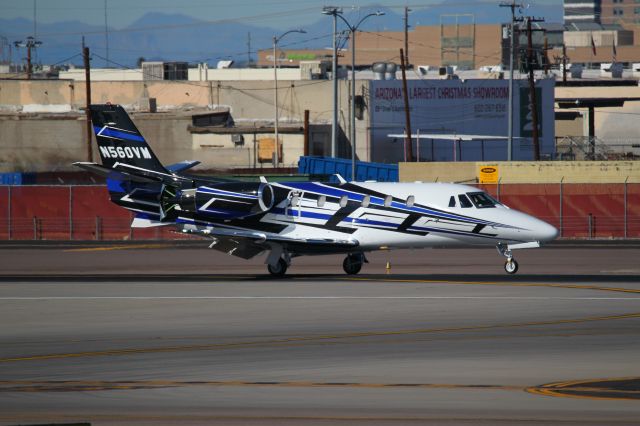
(471, 107)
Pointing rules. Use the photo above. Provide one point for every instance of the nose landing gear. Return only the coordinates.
(510, 266)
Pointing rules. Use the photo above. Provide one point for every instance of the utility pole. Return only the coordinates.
(35, 19)
(532, 89)
(407, 112)
(564, 63)
(406, 34)
(106, 33)
(30, 43)
(87, 75)
(513, 5)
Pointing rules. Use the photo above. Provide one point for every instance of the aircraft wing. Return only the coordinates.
(246, 244)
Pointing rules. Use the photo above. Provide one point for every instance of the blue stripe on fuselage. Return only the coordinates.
(335, 192)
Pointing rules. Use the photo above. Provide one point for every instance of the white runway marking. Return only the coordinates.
(311, 298)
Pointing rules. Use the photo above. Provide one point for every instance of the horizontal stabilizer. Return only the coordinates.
(150, 174)
(182, 166)
(107, 172)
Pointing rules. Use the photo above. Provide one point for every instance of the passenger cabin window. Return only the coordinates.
(321, 200)
(464, 201)
(366, 200)
(387, 200)
(452, 201)
(481, 200)
(411, 200)
(295, 200)
(343, 201)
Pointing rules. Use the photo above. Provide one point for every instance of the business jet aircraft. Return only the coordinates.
(301, 218)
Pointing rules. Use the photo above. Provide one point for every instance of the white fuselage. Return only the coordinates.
(436, 222)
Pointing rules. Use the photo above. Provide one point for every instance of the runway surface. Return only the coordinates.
(113, 335)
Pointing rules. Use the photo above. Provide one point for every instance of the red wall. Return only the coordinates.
(91, 211)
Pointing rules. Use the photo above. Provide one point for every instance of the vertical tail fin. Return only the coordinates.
(119, 140)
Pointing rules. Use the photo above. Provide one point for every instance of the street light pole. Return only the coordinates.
(275, 93)
(334, 11)
(512, 6)
(353, 29)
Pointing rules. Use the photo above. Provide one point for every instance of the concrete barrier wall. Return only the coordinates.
(525, 171)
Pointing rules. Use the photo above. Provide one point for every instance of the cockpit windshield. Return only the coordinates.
(482, 200)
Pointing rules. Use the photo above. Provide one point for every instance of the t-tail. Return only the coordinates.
(135, 177)
(120, 141)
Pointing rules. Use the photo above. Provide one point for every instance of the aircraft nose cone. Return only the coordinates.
(546, 232)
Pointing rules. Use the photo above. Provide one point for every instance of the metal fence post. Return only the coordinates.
(590, 225)
(70, 212)
(35, 228)
(97, 227)
(561, 220)
(9, 224)
(498, 191)
(625, 207)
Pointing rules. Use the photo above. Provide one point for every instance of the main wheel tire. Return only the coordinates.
(279, 269)
(352, 264)
(511, 266)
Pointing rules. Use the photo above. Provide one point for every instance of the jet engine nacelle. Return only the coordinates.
(234, 200)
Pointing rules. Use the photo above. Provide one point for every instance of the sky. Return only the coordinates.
(267, 13)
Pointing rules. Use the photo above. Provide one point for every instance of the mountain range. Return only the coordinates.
(177, 37)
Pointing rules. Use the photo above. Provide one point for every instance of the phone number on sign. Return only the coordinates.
(485, 108)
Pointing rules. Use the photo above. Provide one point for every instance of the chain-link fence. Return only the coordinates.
(85, 212)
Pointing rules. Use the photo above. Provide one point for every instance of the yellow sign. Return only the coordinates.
(488, 174)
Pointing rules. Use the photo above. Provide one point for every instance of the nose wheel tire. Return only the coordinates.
(352, 264)
(511, 266)
(279, 269)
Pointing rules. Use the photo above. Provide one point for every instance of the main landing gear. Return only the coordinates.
(353, 263)
(278, 266)
(279, 269)
(510, 266)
